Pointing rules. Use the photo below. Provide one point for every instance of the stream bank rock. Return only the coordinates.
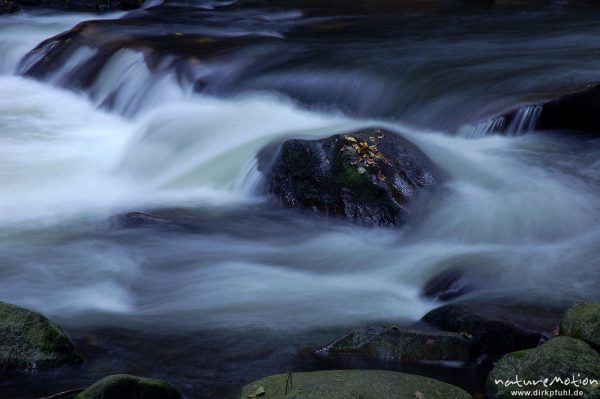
(497, 329)
(351, 384)
(582, 321)
(395, 343)
(8, 7)
(83, 5)
(573, 112)
(369, 176)
(28, 340)
(124, 386)
(561, 357)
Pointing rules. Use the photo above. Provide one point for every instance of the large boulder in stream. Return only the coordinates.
(497, 329)
(351, 384)
(583, 321)
(28, 341)
(124, 386)
(369, 176)
(561, 362)
(393, 343)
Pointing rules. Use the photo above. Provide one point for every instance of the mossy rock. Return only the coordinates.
(368, 176)
(351, 384)
(561, 357)
(28, 340)
(123, 386)
(401, 344)
(583, 321)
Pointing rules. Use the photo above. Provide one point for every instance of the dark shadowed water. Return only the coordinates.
(166, 108)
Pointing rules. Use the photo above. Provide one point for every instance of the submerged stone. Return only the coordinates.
(583, 321)
(570, 360)
(123, 386)
(457, 281)
(401, 344)
(369, 176)
(28, 340)
(351, 384)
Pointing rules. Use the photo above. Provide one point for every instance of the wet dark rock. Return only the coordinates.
(184, 44)
(497, 329)
(9, 7)
(84, 5)
(29, 341)
(351, 384)
(403, 344)
(583, 321)
(369, 176)
(573, 112)
(446, 285)
(561, 357)
(123, 386)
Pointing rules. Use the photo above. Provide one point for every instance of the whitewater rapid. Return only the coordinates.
(515, 209)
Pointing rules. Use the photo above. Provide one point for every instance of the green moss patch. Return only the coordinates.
(583, 321)
(28, 340)
(561, 357)
(351, 384)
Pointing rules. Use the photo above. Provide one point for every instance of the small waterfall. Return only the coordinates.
(78, 60)
(483, 129)
(525, 120)
(127, 85)
(250, 179)
(512, 124)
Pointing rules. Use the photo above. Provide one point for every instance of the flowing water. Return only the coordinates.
(242, 288)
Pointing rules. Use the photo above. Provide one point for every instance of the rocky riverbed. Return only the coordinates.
(308, 199)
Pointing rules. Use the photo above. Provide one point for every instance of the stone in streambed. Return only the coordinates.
(497, 329)
(447, 285)
(457, 281)
(369, 176)
(123, 386)
(573, 112)
(401, 344)
(561, 357)
(28, 340)
(583, 321)
(351, 384)
(132, 220)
